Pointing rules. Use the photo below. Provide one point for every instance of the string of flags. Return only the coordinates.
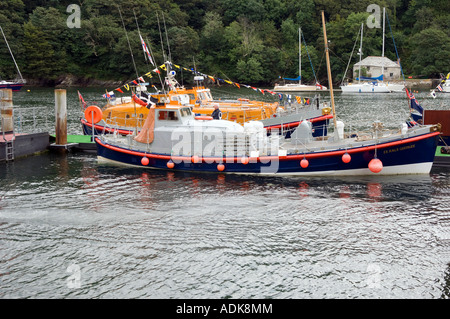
(439, 87)
(126, 87)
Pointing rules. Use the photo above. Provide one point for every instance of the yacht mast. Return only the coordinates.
(300, 55)
(360, 52)
(20, 74)
(330, 80)
(384, 28)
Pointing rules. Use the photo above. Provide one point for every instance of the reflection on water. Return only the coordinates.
(71, 228)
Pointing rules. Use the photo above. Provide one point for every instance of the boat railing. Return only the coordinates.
(31, 119)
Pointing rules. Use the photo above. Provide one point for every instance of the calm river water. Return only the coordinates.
(72, 228)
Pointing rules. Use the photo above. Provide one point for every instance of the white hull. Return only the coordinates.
(412, 169)
(396, 87)
(365, 88)
(297, 88)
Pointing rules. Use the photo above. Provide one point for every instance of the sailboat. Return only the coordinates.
(173, 139)
(365, 84)
(299, 87)
(14, 85)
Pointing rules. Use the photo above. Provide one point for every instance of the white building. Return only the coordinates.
(374, 65)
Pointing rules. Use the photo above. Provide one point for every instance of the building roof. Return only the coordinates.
(378, 61)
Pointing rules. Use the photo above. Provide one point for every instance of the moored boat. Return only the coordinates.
(172, 138)
(126, 115)
(14, 85)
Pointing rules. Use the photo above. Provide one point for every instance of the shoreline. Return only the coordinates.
(73, 81)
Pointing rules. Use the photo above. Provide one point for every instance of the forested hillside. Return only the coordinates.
(250, 41)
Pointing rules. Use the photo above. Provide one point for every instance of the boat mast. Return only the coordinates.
(384, 26)
(17, 67)
(300, 55)
(330, 80)
(360, 52)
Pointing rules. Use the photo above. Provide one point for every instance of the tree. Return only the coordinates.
(435, 58)
(39, 54)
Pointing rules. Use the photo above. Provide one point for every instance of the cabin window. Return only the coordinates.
(167, 116)
(185, 112)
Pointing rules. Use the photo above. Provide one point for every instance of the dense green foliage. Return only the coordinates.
(249, 41)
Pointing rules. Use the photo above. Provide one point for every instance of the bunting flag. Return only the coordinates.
(433, 94)
(219, 80)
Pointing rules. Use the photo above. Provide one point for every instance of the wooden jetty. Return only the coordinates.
(12, 144)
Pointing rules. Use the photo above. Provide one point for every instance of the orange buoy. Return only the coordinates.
(195, 159)
(346, 158)
(244, 160)
(304, 163)
(220, 167)
(145, 161)
(95, 111)
(170, 164)
(375, 165)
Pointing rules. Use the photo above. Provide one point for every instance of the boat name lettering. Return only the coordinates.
(403, 148)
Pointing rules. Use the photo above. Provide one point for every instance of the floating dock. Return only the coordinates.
(441, 159)
(75, 143)
(19, 145)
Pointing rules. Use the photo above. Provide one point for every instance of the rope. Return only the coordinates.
(354, 46)
(395, 46)
(310, 62)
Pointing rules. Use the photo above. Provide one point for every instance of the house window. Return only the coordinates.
(391, 75)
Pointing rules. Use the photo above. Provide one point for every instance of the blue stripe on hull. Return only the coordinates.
(418, 152)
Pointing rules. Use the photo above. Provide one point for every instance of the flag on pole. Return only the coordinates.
(81, 99)
(146, 51)
(414, 104)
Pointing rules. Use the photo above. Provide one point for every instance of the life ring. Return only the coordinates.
(95, 111)
(204, 118)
